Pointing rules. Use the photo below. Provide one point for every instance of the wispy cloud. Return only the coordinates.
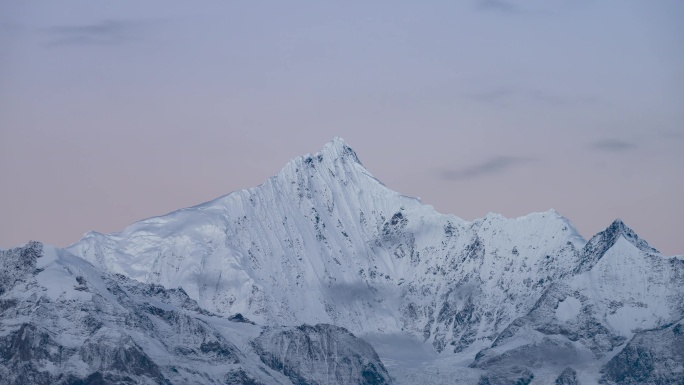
(497, 165)
(106, 32)
(528, 8)
(676, 135)
(498, 6)
(501, 95)
(613, 145)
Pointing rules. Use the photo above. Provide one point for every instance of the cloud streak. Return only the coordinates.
(501, 95)
(613, 145)
(526, 8)
(497, 165)
(672, 135)
(498, 6)
(106, 32)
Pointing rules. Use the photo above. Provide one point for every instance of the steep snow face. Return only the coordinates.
(631, 289)
(482, 280)
(325, 241)
(597, 246)
(251, 250)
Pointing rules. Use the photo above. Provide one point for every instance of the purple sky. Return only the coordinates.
(114, 111)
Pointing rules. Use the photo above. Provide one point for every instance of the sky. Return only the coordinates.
(115, 111)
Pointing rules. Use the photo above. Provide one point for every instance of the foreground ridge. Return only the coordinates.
(64, 322)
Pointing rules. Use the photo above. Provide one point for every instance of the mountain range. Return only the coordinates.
(322, 275)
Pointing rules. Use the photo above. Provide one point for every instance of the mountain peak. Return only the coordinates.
(338, 148)
(334, 154)
(619, 229)
(619, 226)
(600, 243)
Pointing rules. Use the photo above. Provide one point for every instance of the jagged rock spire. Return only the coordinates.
(600, 243)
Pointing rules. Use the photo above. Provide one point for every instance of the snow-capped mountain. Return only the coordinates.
(494, 301)
(325, 241)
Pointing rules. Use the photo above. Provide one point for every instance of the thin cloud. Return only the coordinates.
(613, 145)
(502, 95)
(526, 8)
(676, 135)
(497, 165)
(498, 6)
(106, 32)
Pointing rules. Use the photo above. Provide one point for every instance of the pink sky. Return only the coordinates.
(111, 114)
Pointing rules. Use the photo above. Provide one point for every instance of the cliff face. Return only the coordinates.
(650, 357)
(321, 354)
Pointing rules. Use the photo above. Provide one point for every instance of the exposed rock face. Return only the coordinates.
(515, 375)
(22, 353)
(567, 377)
(321, 354)
(651, 357)
(111, 351)
(18, 264)
(555, 351)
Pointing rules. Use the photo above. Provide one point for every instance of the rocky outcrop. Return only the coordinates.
(567, 377)
(18, 264)
(321, 354)
(514, 375)
(651, 357)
